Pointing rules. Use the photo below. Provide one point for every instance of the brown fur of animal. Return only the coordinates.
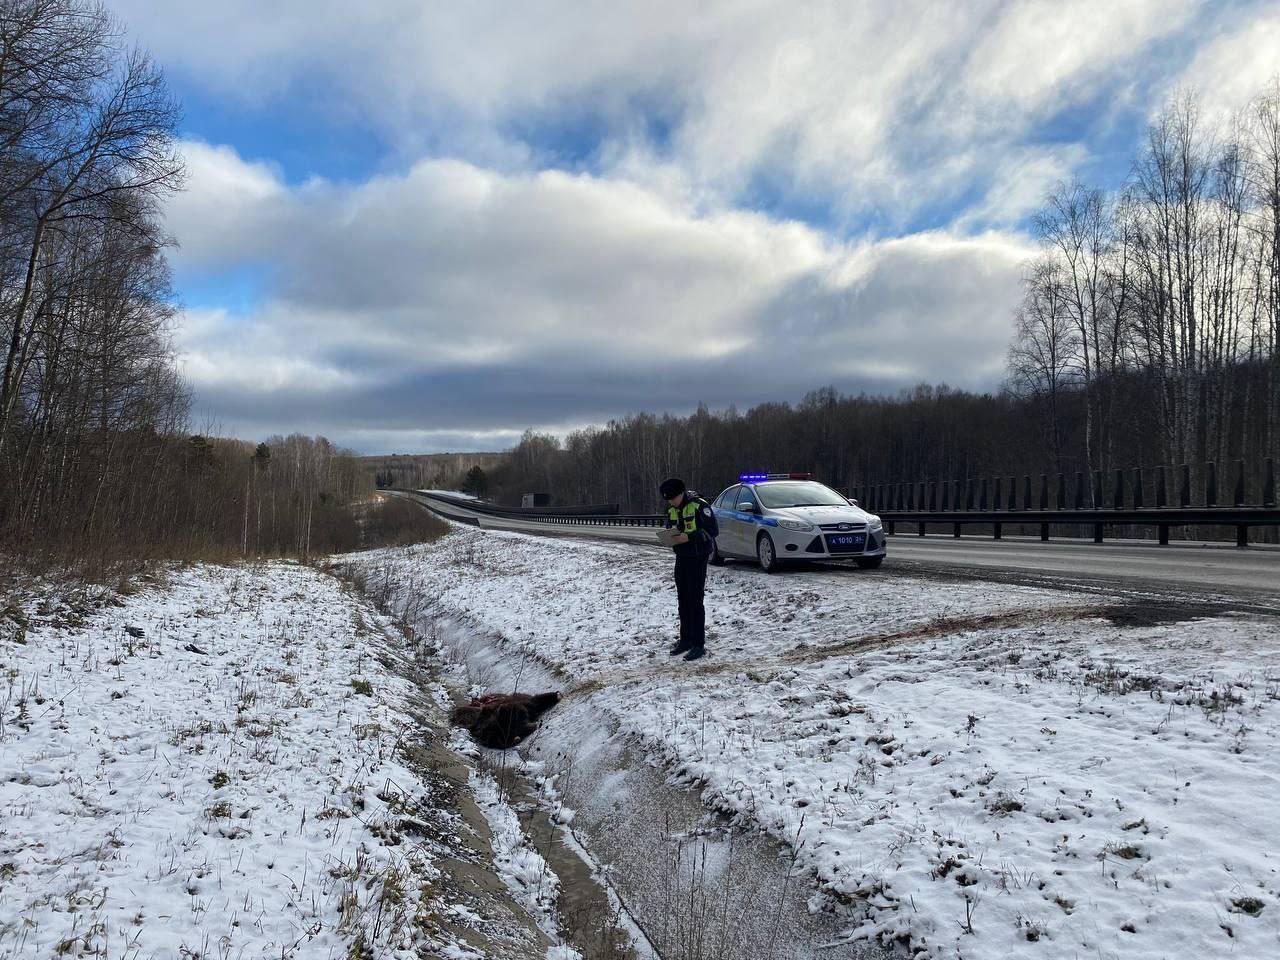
(502, 720)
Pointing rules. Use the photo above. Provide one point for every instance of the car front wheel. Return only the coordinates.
(766, 554)
(716, 560)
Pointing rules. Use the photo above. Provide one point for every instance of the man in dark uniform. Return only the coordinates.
(696, 526)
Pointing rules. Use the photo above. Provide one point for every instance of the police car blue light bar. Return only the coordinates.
(759, 477)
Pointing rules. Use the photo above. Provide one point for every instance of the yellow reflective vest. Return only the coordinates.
(685, 518)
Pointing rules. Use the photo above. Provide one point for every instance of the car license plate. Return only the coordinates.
(846, 542)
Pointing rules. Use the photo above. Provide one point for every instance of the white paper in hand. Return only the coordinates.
(668, 535)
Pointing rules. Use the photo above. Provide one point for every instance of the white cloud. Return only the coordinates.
(225, 192)
(255, 355)
(1021, 179)
(486, 282)
(1237, 66)
(465, 298)
(1040, 53)
(862, 104)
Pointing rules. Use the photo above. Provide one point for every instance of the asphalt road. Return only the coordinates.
(1213, 568)
(1183, 571)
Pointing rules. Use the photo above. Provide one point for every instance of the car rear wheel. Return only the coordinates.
(715, 560)
(766, 554)
(869, 563)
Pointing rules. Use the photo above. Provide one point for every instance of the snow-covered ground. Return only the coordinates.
(236, 764)
(973, 770)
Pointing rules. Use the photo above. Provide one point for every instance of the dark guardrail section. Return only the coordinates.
(1139, 497)
(601, 515)
(995, 502)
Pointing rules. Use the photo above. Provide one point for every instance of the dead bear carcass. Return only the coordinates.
(502, 720)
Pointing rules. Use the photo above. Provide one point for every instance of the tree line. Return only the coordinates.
(1158, 304)
(1148, 334)
(843, 440)
(96, 459)
(427, 470)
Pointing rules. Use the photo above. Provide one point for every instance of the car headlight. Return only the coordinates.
(796, 524)
(873, 523)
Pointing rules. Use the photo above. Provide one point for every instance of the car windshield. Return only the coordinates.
(798, 493)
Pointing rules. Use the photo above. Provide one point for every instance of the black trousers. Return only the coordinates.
(691, 580)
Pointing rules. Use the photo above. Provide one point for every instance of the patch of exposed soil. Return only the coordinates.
(469, 877)
(590, 920)
(1141, 613)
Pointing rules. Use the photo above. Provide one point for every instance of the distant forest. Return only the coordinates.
(1148, 334)
(410, 471)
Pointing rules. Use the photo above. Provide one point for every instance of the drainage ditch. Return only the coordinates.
(642, 852)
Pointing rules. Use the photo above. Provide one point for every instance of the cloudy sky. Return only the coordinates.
(417, 226)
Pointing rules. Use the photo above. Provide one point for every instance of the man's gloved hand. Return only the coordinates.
(680, 538)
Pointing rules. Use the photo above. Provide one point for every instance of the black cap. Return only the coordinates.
(669, 488)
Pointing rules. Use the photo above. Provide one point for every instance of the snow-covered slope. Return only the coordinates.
(225, 767)
(975, 770)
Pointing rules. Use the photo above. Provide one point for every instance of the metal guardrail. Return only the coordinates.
(1097, 501)
(1163, 519)
(1242, 518)
(532, 515)
(1136, 488)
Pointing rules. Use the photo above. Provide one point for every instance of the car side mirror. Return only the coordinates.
(746, 507)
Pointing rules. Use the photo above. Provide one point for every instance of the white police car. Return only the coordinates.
(775, 517)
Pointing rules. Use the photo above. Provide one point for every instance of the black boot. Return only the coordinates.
(694, 653)
(679, 648)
